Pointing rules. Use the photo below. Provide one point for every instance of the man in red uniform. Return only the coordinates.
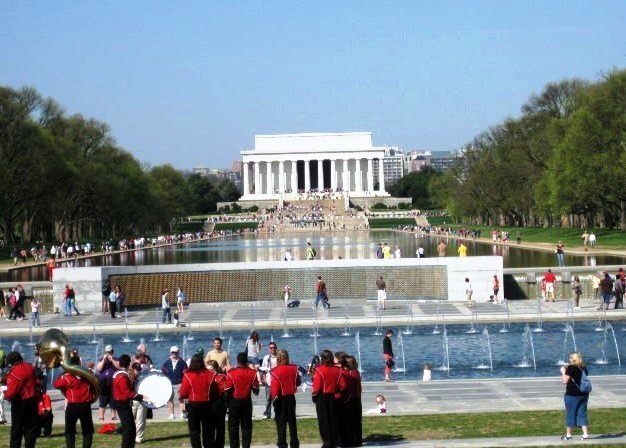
(240, 382)
(23, 393)
(327, 381)
(218, 406)
(285, 382)
(123, 393)
(79, 395)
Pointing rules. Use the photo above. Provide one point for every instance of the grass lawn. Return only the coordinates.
(388, 223)
(380, 429)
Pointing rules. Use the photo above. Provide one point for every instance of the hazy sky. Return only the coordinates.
(191, 82)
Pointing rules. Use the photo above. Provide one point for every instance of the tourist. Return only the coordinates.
(381, 287)
(253, 348)
(606, 286)
(468, 292)
(550, 280)
(3, 303)
(218, 354)
(420, 253)
(50, 265)
(23, 393)
(166, 307)
(181, 297)
(218, 407)
(379, 251)
(577, 290)
(355, 406)
(397, 253)
(35, 306)
(113, 301)
(495, 285)
(310, 251)
(105, 369)
(120, 298)
(72, 300)
(592, 239)
(595, 285)
(284, 385)
(388, 355)
(585, 238)
(442, 249)
(327, 382)
(241, 382)
(619, 289)
(173, 368)
(575, 400)
(386, 251)
(122, 395)
(106, 291)
(320, 292)
(198, 388)
(287, 256)
(462, 250)
(79, 395)
(560, 253)
(270, 361)
(286, 295)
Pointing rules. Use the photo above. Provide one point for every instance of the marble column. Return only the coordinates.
(381, 176)
(258, 189)
(307, 176)
(345, 176)
(246, 179)
(370, 175)
(270, 187)
(320, 175)
(294, 176)
(358, 176)
(281, 176)
(333, 175)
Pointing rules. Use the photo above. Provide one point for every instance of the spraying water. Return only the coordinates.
(528, 349)
(126, 338)
(610, 327)
(567, 348)
(286, 333)
(402, 367)
(409, 325)
(539, 327)
(379, 324)
(357, 342)
(506, 324)
(190, 336)
(445, 365)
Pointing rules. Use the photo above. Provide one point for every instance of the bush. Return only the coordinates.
(379, 206)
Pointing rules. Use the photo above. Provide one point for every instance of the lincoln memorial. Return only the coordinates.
(285, 166)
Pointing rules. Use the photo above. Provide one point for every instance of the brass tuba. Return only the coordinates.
(54, 350)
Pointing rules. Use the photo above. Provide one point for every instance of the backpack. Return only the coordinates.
(585, 383)
(313, 252)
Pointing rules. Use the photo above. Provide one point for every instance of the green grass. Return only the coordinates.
(236, 225)
(388, 223)
(379, 429)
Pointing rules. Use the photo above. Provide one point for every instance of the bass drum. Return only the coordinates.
(154, 385)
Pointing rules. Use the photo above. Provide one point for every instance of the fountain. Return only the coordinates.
(473, 329)
(401, 369)
(601, 319)
(30, 342)
(346, 330)
(98, 346)
(569, 336)
(486, 357)
(438, 315)
(220, 322)
(286, 333)
(94, 339)
(528, 349)
(507, 322)
(315, 329)
(185, 347)
(157, 334)
(272, 336)
(315, 348)
(357, 343)
(445, 364)
(379, 322)
(190, 336)
(570, 316)
(126, 338)
(230, 342)
(252, 323)
(16, 346)
(539, 327)
(409, 325)
(610, 327)
(603, 360)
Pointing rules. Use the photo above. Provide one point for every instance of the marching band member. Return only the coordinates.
(285, 382)
(23, 393)
(198, 386)
(327, 381)
(240, 382)
(123, 393)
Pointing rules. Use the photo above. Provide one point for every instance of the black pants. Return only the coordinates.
(24, 422)
(200, 424)
(218, 415)
(45, 423)
(125, 413)
(240, 414)
(326, 409)
(73, 413)
(285, 412)
(112, 308)
(350, 422)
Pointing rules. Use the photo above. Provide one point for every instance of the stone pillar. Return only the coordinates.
(320, 175)
(381, 176)
(246, 179)
(370, 175)
(294, 176)
(345, 176)
(281, 176)
(307, 176)
(270, 187)
(333, 175)
(258, 189)
(358, 176)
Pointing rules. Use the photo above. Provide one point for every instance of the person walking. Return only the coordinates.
(606, 286)
(79, 395)
(72, 300)
(199, 388)
(388, 354)
(381, 287)
(285, 382)
(320, 292)
(23, 393)
(577, 290)
(495, 285)
(122, 396)
(327, 382)
(310, 251)
(241, 382)
(468, 292)
(462, 250)
(575, 399)
(442, 249)
(166, 307)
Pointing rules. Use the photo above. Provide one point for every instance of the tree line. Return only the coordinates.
(65, 178)
(561, 163)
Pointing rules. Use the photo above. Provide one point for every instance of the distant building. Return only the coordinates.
(231, 175)
(393, 164)
(443, 161)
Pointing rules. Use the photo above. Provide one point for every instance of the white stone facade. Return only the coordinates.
(285, 165)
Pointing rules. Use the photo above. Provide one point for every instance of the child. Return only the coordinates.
(35, 305)
(543, 289)
(45, 415)
(428, 370)
(381, 404)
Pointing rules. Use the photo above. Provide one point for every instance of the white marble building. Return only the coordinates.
(283, 165)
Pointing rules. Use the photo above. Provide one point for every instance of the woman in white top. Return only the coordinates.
(180, 300)
(253, 347)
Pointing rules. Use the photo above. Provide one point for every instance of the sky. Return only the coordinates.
(190, 83)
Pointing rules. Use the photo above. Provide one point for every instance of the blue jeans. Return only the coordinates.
(560, 258)
(167, 313)
(67, 307)
(35, 318)
(576, 410)
(319, 298)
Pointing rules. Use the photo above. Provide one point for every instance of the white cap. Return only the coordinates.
(174, 348)
(108, 348)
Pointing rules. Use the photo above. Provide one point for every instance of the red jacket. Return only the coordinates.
(21, 383)
(198, 386)
(241, 381)
(74, 388)
(45, 405)
(285, 380)
(346, 393)
(327, 380)
(220, 382)
(122, 390)
(355, 384)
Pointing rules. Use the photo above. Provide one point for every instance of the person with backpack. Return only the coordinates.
(310, 251)
(577, 389)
